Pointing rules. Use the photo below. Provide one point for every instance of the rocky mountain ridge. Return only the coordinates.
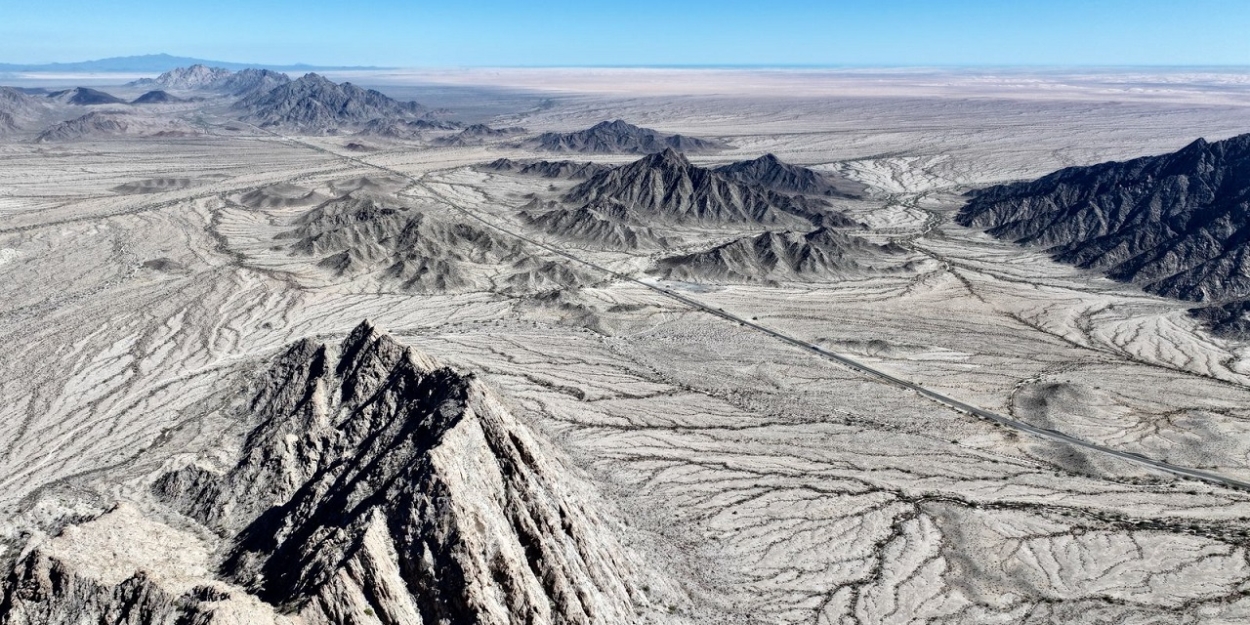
(1176, 224)
(375, 485)
(620, 137)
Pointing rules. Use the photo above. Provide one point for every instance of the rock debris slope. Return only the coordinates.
(1177, 224)
(376, 486)
(619, 137)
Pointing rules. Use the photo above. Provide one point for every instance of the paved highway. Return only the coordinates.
(816, 350)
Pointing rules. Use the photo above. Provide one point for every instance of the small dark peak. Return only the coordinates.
(84, 96)
(156, 97)
(360, 337)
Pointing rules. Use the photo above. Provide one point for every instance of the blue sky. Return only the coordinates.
(451, 33)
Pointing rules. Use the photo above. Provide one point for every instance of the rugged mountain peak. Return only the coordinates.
(771, 172)
(314, 103)
(196, 76)
(619, 137)
(380, 482)
(570, 170)
(252, 81)
(785, 256)
(1176, 224)
(666, 186)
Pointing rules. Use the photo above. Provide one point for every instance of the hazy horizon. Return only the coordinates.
(647, 33)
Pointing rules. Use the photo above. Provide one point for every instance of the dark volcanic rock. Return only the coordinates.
(665, 187)
(83, 96)
(770, 172)
(821, 254)
(619, 137)
(1176, 224)
(603, 224)
(564, 170)
(314, 104)
(156, 97)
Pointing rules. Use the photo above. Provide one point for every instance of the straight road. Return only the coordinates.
(854, 365)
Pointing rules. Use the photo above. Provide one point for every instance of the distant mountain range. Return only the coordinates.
(156, 63)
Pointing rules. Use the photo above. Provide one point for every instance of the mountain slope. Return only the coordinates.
(619, 137)
(196, 76)
(362, 236)
(156, 97)
(564, 170)
(82, 96)
(665, 186)
(821, 254)
(770, 172)
(374, 485)
(1176, 224)
(315, 104)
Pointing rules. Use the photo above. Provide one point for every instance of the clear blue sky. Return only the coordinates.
(415, 33)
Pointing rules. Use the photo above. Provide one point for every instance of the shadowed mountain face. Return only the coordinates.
(252, 81)
(666, 187)
(770, 172)
(619, 137)
(83, 96)
(89, 125)
(821, 254)
(1176, 224)
(564, 170)
(156, 97)
(374, 486)
(315, 104)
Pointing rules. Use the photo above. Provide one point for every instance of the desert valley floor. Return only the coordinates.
(146, 283)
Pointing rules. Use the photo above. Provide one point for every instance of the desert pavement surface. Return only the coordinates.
(950, 429)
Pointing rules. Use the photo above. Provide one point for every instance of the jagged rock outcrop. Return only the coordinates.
(770, 172)
(314, 104)
(187, 78)
(1177, 224)
(666, 187)
(564, 170)
(82, 96)
(373, 485)
(156, 97)
(822, 254)
(418, 250)
(619, 137)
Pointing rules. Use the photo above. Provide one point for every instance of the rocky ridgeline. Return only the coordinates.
(375, 486)
(619, 137)
(1177, 224)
